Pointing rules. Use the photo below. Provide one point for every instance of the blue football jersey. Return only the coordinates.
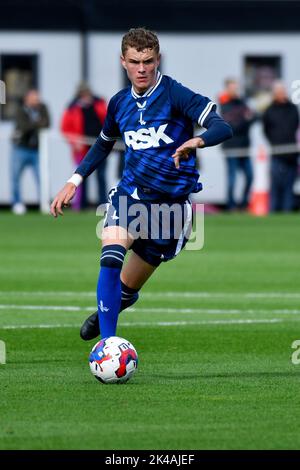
(153, 126)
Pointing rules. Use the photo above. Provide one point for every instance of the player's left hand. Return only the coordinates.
(184, 150)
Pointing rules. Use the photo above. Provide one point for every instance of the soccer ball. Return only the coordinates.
(113, 360)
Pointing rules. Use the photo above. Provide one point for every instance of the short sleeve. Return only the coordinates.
(193, 105)
(110, 131)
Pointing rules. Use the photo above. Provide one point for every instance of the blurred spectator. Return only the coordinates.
(236, 112)
(30, 118)
(85, 117)
(281, 121)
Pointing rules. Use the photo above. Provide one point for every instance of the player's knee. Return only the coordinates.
(112, 256)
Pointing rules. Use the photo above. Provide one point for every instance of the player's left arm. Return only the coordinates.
(199, 109)
(217, 131)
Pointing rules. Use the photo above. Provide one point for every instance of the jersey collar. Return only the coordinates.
(150, 90)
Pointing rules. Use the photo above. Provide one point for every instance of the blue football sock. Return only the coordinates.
(109, 288)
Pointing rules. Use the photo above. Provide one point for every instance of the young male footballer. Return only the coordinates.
(155, 118)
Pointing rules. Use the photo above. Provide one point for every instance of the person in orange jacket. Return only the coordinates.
(84, 117)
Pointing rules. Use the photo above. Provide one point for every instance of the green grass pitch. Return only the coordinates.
(213, 330)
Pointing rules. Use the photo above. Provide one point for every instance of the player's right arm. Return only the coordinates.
(97, 153)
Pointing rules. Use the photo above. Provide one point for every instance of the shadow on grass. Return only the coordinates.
(224, 375)
(37, 361)
(250, 375)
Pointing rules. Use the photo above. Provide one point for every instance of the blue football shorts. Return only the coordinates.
(160, 228)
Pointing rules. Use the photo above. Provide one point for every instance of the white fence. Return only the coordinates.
(56, 166)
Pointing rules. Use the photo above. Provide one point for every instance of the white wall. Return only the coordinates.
(58, 75)
(104, 57)
(203, 61)
(200, 61)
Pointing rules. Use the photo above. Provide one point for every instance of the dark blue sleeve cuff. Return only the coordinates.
(217, 130)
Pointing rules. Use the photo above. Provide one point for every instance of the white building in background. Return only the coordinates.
(200, 61)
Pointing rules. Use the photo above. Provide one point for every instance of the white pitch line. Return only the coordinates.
(41, 326)
(213, 295)
(73, 308)
(154, 295)
(203, 322)
(215, 311)
(63, 308)
(149, 324)
(49, 293)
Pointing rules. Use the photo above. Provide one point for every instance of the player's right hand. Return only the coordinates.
(62, 199)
